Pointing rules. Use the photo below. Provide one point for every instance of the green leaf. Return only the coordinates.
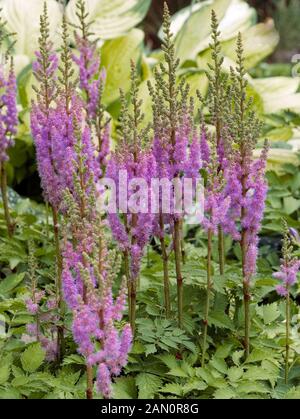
(236, 357)
(278, 93)
(10, 283)
(235, 373)
(33, 357)
(225, 394)
(23, 19)
(260, 355)
(269, 312)
(150, 349)
(291, 205)
(74, 359)
(192, 27)
(259, 41)
(220, 319)
(247, 387)
(148, 385)
(293, 394)
(111, 18)
(172, 388)
(5, 367)
(219, 364)
(116, 56)
(9, 394)
(124, 388)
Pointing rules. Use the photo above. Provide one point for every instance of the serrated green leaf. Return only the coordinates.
(5, 368)
(124, 388)
(225, 393)
(235, 373)
(33, 357)
(148, 385)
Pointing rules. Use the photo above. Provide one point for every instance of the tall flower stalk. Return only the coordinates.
(245, 177)
(216, 100)
(287, 275)
(133, 158)
(173, 130)
(8, 117)
(51, 123)
(88, 275)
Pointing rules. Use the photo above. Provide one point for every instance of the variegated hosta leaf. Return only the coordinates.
(115, 57)
(192, 25)
(259, 41)
(111, 18)
(23, 18)
(278, 93)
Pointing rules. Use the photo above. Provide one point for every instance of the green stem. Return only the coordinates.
(165, 259)
(9, 224)
(89, 382)
(287, 337)
(247, 295)
(59, 292)
(128, 280)
(221, 249)
(177, 251)
(133, 288)
(208, 290)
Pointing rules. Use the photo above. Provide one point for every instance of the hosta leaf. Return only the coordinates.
(278, 93)
(259, 41)
(116, 56)
(23, 18)
(192, 27)
(33, 357)
(111, 18)
(148, 385)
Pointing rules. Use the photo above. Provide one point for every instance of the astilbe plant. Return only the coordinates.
(215, 101)
(57, 104)
(287, 275)
(245, 177)
(132, 226)
(88, 276)
(175, 154)
(8, 115)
